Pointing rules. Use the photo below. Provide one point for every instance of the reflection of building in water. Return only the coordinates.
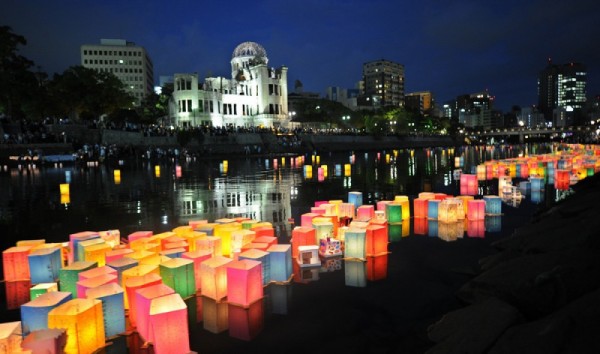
(261, 200)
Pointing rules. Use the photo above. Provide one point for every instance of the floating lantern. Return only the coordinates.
(197, 257)
(75, 239)
(323, 228)
(329, 247)
(365, 212)
(111, 237)
(178, 273)
(169, 325)
(211, 244)
(302, 236)
(138, 235)
(50, 341)
(355, 243)
(242, 237)
(246, 323)
(346, 210)
(308, 256)
(405, 203)
(468, 184)
(134, 272)
(84, 285)
(447, 211)
(476, 228)
(377, 267)
(214, 315)
(376, 240)
(347, 170)
(244, 282)
(143, 300)
(420, 207)
(10, 337)
(432, 208)
(178, 171)
(225, 231)
(34, 314)
(113, 307)
(493, 204)
(263, 230)
(122, 264)
(393, 212)
(213, 274)
(96, 253)
(95, 272)
(262, 257)
(42, 288)
(280, 261)
(426, 195)
(83, 320)
(132, 284)
(69, 275)
(15, 263)
(308, 172)
(355, 273)
(476, 209)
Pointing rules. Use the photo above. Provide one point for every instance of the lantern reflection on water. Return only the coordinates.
(377, 267)
(246, 323)
(476, 228)
(214, 315)
(355, 273)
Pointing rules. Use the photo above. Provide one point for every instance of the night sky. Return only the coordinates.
(447, 47)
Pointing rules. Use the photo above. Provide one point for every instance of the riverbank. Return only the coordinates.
(539, 293)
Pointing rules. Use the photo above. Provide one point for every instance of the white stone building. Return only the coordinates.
(256, 94)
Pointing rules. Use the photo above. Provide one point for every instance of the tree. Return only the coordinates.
(15, 76)
(155, 107)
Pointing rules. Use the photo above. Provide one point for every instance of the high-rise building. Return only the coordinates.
(476, 110)
(256, 94)
(383, 82)
(562, 91)
(419, 102)
(127, 61)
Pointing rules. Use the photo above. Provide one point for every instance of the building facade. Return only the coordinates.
(562, 92)
(127, 61)
(383, 82)
(347, 97)
(255, 95)
(476, 111)
(419, 102)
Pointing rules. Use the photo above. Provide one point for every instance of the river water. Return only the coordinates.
(324, 310)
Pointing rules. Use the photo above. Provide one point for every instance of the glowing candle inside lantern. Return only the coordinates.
(157, 171)
(169, 324)
(15, 262)
(83, 320)
(393, 212)
(420, 207)
(117, 176)
(365, 212)
(405, 203)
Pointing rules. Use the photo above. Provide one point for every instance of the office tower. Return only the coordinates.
(562, 92)
(383, 82)
(127, 61)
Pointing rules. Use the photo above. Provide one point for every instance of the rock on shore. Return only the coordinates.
(541, 292)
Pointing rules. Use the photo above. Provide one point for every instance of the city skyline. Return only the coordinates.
(448, 49)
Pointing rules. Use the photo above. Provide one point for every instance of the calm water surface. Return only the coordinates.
(385, 304)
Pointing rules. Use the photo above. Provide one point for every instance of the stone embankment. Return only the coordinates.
(540, 293)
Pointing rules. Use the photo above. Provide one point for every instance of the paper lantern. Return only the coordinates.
(376, 240)
(47, 341)
(84, 285)
(34, 314)
(537, 183)
(42, 288)
(365, 212)
(178, 273)
(15, 263)
(468, 184)
(308, 256)
(393, 212)
(113, 307)
(263, 258)
(69, 275)
(132, 284)
(493, 204)
(197, 257)
(244, 282)
(138, 235)
(355, 273)
(476, 228)
(447, 211)
(405, 203)
(214, 315)
(280, 261)
(239, 238)
(169, 325)
(432, 208)
(225, 231)
(17, 293)
(381, 206)
(115, 254)
(420, 207)
(83, 320)
(246, 323)
(81, 245)
(75, 239)
(44, 265)
(480, 172)
(302, 236)
(476, 209)
(143, 300)
(426, 195)
(269, 240)
(323, 228)
(10, 337)
(346, 210)
(211, 244)
(213, 274)
(355, 198)
(377, 267)
(122, 264)
(64, 189)
(355, 243)
(134, 272)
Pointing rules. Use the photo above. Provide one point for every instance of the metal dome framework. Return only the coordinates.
(249, 49)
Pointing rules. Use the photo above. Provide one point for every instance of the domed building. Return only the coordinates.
(254, 96)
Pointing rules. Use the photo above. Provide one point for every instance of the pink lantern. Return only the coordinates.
(89, 283)
(306, 219)
(139, 235)
(169, 325)
(135, 283)
(365, 212)
(95, 272)
(476, 209)
(143, 300)
(468, 184)
(244, 282)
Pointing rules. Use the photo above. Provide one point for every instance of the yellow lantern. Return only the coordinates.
(84, 321)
